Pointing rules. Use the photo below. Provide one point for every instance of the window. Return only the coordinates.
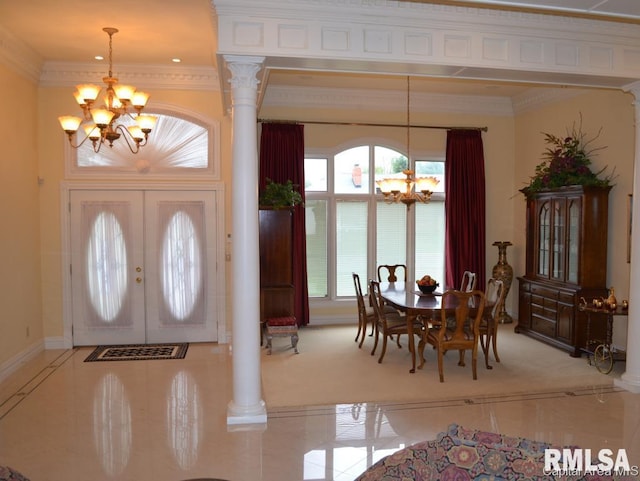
(178, 146)
(350, 228)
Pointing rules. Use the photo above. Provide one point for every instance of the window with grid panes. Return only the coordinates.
(350, 228)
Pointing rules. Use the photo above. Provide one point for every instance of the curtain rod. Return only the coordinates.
(369, 124)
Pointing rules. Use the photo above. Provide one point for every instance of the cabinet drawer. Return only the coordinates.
(544, 312)
(566, 297)
(543, 325)
(544, 292)
(544, 302)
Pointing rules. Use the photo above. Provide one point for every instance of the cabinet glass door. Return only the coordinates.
(573, 240)
(558, 255)
(544, 233)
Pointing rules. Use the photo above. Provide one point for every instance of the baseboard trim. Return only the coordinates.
(14, 363)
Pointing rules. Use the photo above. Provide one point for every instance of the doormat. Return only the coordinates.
(138, 352)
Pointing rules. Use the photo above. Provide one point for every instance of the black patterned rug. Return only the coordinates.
(138, 352)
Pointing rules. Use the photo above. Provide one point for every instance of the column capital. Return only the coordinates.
(244, 70)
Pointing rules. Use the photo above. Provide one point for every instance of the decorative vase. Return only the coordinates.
(612, 302)
(503, 272)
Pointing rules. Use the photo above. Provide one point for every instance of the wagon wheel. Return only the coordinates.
(603, 359)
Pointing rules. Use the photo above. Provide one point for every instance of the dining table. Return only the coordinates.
(407, 298)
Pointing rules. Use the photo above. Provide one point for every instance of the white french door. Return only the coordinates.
(143, 266)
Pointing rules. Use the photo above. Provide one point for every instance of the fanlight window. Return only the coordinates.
(107, 266)
(174, 143)
(181, 266)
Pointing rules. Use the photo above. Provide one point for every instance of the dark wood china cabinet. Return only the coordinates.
(276, 263)
(566, 260)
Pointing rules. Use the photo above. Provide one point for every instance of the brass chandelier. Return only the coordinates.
(410, 189)
(120, 102)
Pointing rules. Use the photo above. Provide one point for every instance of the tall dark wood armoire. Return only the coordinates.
(276, 263)
(566, 260)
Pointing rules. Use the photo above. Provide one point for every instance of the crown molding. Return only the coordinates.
(62, 74)
(386, 100)
(536, 97)
(383, 100)
(18, 56)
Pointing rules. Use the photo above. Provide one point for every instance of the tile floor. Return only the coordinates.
(62, 419)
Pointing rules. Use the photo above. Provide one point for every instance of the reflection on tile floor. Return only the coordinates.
(62, 419)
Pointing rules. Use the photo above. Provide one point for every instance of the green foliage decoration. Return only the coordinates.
(567, 162)
(279, 195)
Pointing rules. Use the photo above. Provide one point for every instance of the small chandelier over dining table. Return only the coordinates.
(120, 102)
(411, 189)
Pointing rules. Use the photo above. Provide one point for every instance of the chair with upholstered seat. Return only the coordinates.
(366, 315)
(387, 272)
(388, 322)
(458, 329)
(468, 281)
(494, 294)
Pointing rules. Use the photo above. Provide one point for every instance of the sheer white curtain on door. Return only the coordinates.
(106, 228)
(182, 263)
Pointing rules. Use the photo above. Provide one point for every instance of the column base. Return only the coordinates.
(256, 414)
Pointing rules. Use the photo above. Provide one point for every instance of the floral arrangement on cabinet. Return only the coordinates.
(567, 161)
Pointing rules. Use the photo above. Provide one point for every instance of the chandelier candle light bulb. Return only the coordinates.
(411, 189)
(117, 101)
(402, 190)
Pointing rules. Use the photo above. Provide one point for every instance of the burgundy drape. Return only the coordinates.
(282, 159)
(465, 207)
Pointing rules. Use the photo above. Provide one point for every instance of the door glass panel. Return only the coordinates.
(544, 223)
(181, 272)
(106, 266)
(180, 269)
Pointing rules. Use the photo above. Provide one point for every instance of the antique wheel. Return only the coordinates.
(603, 359)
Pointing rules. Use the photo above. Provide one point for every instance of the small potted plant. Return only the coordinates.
(280, 196)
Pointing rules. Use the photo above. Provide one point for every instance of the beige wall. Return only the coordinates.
(513, 146)
(20, 294)
(59, 101)
(498, 148)
(30, 242)
(613, 111)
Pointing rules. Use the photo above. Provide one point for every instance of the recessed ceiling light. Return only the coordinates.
(99, 57)
(176, 60)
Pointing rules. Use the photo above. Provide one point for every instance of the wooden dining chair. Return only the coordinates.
(494, 295)
(468, 281)
(458, 329)
(387, 323)
(366, 314)
(387, 272)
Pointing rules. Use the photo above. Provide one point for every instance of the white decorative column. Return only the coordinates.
(246, 407)
(630, 380)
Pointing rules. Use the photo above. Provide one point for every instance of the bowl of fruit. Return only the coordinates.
(427, 284)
